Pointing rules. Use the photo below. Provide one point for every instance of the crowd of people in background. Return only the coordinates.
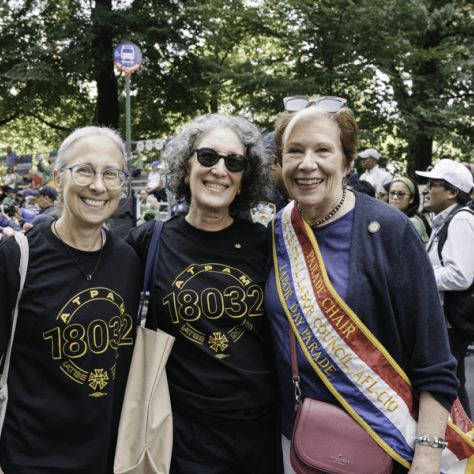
(250, 225)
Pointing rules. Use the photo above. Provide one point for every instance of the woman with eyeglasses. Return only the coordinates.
(209, 295)
(75, 332)
(351, 284)
(405, 196)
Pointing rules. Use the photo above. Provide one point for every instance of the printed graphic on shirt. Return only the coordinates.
(82, 347)
(214, 291)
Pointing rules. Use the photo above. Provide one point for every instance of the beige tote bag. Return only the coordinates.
(145, 437)
(24, 257)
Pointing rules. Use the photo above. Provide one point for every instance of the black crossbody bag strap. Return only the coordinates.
(150, 277)
(443, 234)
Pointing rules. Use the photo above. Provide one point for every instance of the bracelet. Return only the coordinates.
(432, 441)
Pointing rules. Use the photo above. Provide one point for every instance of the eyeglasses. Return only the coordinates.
(398, 194)
(233, 161)
(299, 102)
(83, 175)
(431, 184)
(381, 195)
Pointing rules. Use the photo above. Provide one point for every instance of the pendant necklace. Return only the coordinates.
(324, 219)
(88, 277)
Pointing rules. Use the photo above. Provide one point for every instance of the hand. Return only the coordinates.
(8, 231)
(27, 227)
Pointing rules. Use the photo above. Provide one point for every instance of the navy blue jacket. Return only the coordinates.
(393, 292)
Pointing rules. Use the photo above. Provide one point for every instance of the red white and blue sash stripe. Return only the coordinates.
(352, 364)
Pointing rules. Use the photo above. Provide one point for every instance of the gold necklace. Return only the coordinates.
(88, 277)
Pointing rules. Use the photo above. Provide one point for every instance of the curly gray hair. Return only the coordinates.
(256, 177)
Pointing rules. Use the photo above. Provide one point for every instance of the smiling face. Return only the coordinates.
(400, 196)
(89, 206)
(214, 188)
(314, 165)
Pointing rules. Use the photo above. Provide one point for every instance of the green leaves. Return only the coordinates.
(405, 66)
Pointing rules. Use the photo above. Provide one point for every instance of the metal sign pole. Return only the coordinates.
(128, 125)
(128, 58)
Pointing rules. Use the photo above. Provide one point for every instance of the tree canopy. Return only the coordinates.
(405, 67)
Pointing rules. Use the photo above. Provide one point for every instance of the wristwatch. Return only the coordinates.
(432, 441)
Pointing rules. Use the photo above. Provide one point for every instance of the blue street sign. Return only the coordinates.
(127, 58)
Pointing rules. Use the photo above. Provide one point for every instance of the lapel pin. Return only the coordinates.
(374, 227)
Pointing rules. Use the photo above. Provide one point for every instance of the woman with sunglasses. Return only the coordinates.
(383, 193)
(209, 294)
(351, 284)
(405, 196)
(75, 331)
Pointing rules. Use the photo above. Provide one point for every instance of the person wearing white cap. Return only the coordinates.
(450, 252)
(154, 185)
(376, 176)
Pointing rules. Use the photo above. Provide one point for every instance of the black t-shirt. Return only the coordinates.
(71, 354)
(209, 295)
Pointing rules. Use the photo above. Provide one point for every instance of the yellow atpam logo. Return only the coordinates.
(98, 379)
(218, 342)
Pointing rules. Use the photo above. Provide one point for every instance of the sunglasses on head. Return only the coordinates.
(233, 161)
(299, 102)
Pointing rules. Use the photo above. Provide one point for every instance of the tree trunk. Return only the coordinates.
(214, 103)
(107, 107)
(419, 154)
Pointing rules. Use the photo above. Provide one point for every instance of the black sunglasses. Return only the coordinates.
(299, 102)
(209, 157)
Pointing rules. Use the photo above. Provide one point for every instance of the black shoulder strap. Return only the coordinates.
(150, 276)
(443, 233)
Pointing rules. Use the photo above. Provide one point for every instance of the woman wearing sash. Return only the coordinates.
(209, 296)
(351, 278)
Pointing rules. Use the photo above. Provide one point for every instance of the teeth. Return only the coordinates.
(215, 186)
(308, 182)
(91, 202)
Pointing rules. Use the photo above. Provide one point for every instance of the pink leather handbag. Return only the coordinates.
(327, 440)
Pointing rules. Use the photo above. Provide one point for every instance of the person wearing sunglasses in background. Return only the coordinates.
(75, 332)
(383, 193)
(405, 196)
(451, 253)
(348, 268)
(209, 295)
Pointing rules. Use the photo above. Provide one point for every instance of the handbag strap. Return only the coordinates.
(24, 254)
(150, 277)
(294, 367)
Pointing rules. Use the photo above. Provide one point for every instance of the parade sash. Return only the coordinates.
(350, 361)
